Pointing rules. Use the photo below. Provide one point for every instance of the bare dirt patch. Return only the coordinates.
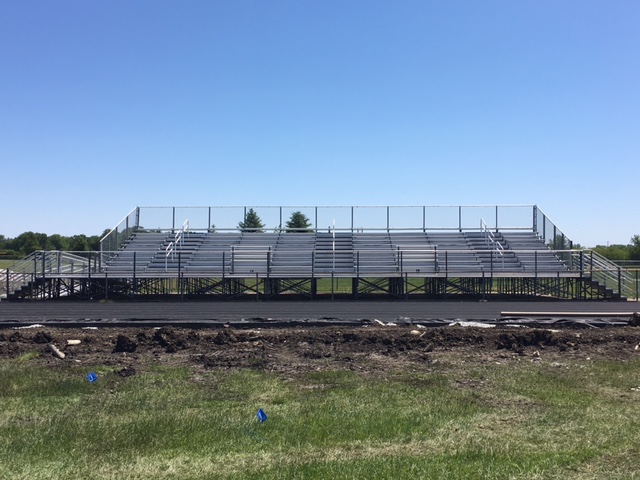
(370, 349)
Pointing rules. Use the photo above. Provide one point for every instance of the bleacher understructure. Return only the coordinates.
(417, 262)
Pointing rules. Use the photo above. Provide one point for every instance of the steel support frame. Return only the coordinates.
(267, 288)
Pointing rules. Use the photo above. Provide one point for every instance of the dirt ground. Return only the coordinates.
(373, 350)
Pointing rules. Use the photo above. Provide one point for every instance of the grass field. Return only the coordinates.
(522, 421)
(6, 263)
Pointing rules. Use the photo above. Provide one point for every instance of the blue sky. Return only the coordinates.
(109, 105)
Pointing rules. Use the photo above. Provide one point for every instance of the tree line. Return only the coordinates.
(628, 252)
(29, 242)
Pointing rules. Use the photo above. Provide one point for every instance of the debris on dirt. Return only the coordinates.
(56, 351)
(125, 344)
(42, 337)
(74, 342)
(126, 372)
(472, 324)
(534, 338)
(372, 349)
(169, 338)
(634, 321)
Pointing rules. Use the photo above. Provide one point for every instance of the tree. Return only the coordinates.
(613, 252)
(252, 223)
(28, 242)
(634, 253)
(57, 242)
(79, 243)
(298, 223)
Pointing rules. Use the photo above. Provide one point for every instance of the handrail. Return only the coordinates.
(604, 271)
(491, 240)
(400, 259)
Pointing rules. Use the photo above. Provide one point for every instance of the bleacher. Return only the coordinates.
(290, 255)
(533, 254)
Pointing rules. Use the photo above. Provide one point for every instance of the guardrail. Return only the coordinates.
(410, 262)
(39, 264)
(606, 272)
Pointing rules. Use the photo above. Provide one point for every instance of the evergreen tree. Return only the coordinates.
(298, 223)
(252, 223)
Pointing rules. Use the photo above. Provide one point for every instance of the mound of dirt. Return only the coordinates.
(373, 349)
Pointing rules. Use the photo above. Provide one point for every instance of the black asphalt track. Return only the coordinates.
(199, 313)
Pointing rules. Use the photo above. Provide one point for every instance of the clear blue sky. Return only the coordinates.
(105, 105)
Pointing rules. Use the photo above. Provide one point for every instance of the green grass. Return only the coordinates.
(528, 421)
(4, 263)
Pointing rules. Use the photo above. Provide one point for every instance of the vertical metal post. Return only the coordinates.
(43, 267)
(180, 286)
(535, 219)
(280, 219)
(8, 282)
(173, 222)
(435, 259)
(620, 281)
(424, 219)
(496, 218)
(352, 219)
(316, 221)
(134, 272)
(491, 264)
(637, 299)
(223, 270)
(406, 286)
(446, 262)
(268, 262)
(209, 221)
(460, 218)
(106, 285)
(387, 219)
(544, 228)
(332, 288)
(555, 235)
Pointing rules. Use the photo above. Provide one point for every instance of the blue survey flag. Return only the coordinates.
(92, 377)
(262, 417)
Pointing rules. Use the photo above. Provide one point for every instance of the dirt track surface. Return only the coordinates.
(373, 349)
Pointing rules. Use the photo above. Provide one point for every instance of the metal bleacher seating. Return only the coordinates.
(141, 247)
(289, 255)
(414, 252)
(214, 254)
(252, 254)
(293, 255)
(532, 253)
